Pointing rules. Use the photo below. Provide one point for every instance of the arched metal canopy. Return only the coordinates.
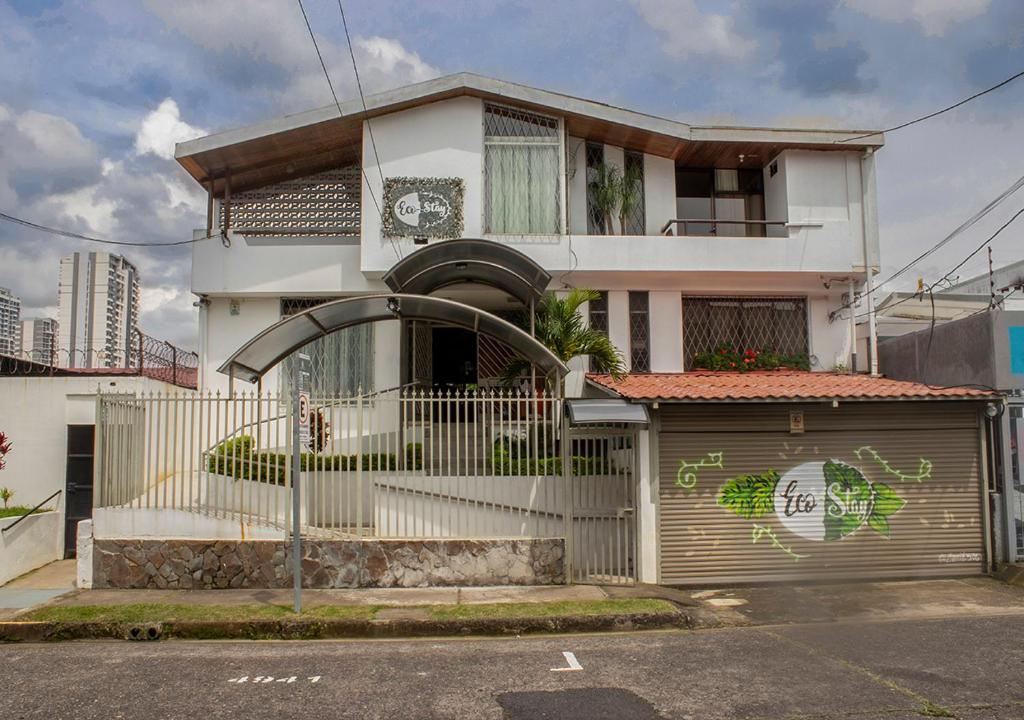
(264, 351)
(469, 260)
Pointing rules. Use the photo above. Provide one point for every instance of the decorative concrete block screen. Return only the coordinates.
(207, 564)
(325, 204)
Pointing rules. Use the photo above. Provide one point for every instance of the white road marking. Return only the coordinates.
(574, 664)
(261, 679)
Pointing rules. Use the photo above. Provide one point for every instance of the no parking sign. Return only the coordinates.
(303, 417)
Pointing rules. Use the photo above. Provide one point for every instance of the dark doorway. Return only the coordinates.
(78, 485)
(454, 356)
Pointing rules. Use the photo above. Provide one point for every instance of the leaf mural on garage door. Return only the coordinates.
(750, 496)
(822, 501)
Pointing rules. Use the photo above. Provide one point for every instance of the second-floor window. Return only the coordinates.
(521, 172)
(720, 195)
(633, 220)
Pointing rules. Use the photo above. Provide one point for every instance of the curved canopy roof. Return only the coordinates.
(264, 351)
(469, 260)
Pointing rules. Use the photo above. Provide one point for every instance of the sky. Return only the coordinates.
(94, 94)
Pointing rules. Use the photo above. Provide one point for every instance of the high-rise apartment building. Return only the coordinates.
(10, 322)
(39, 340)
(98, 310)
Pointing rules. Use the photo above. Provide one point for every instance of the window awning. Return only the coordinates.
(606, 411)
(268, 348)
(471, 260)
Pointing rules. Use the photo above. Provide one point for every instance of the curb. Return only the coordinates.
(338, 629)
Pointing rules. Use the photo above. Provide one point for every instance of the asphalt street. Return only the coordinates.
(967, 667)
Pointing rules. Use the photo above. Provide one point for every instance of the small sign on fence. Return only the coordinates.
(303, 417)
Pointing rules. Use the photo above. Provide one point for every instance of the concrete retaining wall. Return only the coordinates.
(210, 564)
(34, 542)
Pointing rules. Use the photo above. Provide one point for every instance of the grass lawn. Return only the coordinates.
(549, 609)
(155, 612)
(15, 510)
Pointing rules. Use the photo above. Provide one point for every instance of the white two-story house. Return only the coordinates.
(752, 237)
(491, 194)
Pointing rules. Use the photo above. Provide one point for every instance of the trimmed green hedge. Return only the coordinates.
(237, 458)
(502, 463)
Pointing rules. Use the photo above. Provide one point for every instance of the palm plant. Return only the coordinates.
(606, 189)
(561, 328)
(631, 189)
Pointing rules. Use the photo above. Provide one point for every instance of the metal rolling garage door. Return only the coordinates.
(868, 490)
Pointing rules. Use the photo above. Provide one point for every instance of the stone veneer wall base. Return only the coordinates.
(213, 564)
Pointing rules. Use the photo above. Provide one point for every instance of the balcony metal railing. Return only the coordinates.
(685, 224)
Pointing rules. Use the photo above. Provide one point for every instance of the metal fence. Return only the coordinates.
(398, 464)
(147, 357)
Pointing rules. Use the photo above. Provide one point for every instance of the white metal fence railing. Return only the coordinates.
(398, 464)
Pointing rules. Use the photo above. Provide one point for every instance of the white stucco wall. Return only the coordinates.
(35, 414)
(659, 192)
(227, 324)
(34, 542)
(443, 139)
(666, 313)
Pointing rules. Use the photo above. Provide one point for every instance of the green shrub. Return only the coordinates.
(237, 458)
(728, 358)
(502, 463)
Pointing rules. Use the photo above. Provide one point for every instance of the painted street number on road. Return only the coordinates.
(263, 679)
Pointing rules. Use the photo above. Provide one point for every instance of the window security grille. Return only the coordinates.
(598, 311)
(595, 218)
(636, 220)
(778, 324)
(639, 333)
(325, 204)
(521, 172)
(341, 364)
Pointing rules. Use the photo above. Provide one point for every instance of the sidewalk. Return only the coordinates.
(37, 587)
(391, 597)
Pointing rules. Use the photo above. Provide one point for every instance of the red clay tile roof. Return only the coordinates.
(706, 386)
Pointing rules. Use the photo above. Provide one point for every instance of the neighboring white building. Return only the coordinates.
(39, 340)
(904, 312)
(98, 310)
(10, 322)
(793, 228)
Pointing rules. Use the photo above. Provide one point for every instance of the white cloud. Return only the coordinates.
(934, 16)
(387, 56)
(688, 31)
(162, 128)
(51, 174)
(274, 32)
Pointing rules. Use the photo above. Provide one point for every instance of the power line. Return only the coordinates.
(369, 188)
(103, 241)
(967, 224)
(362, 98)
(322, 63)
(954, 106)
(959, 265)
